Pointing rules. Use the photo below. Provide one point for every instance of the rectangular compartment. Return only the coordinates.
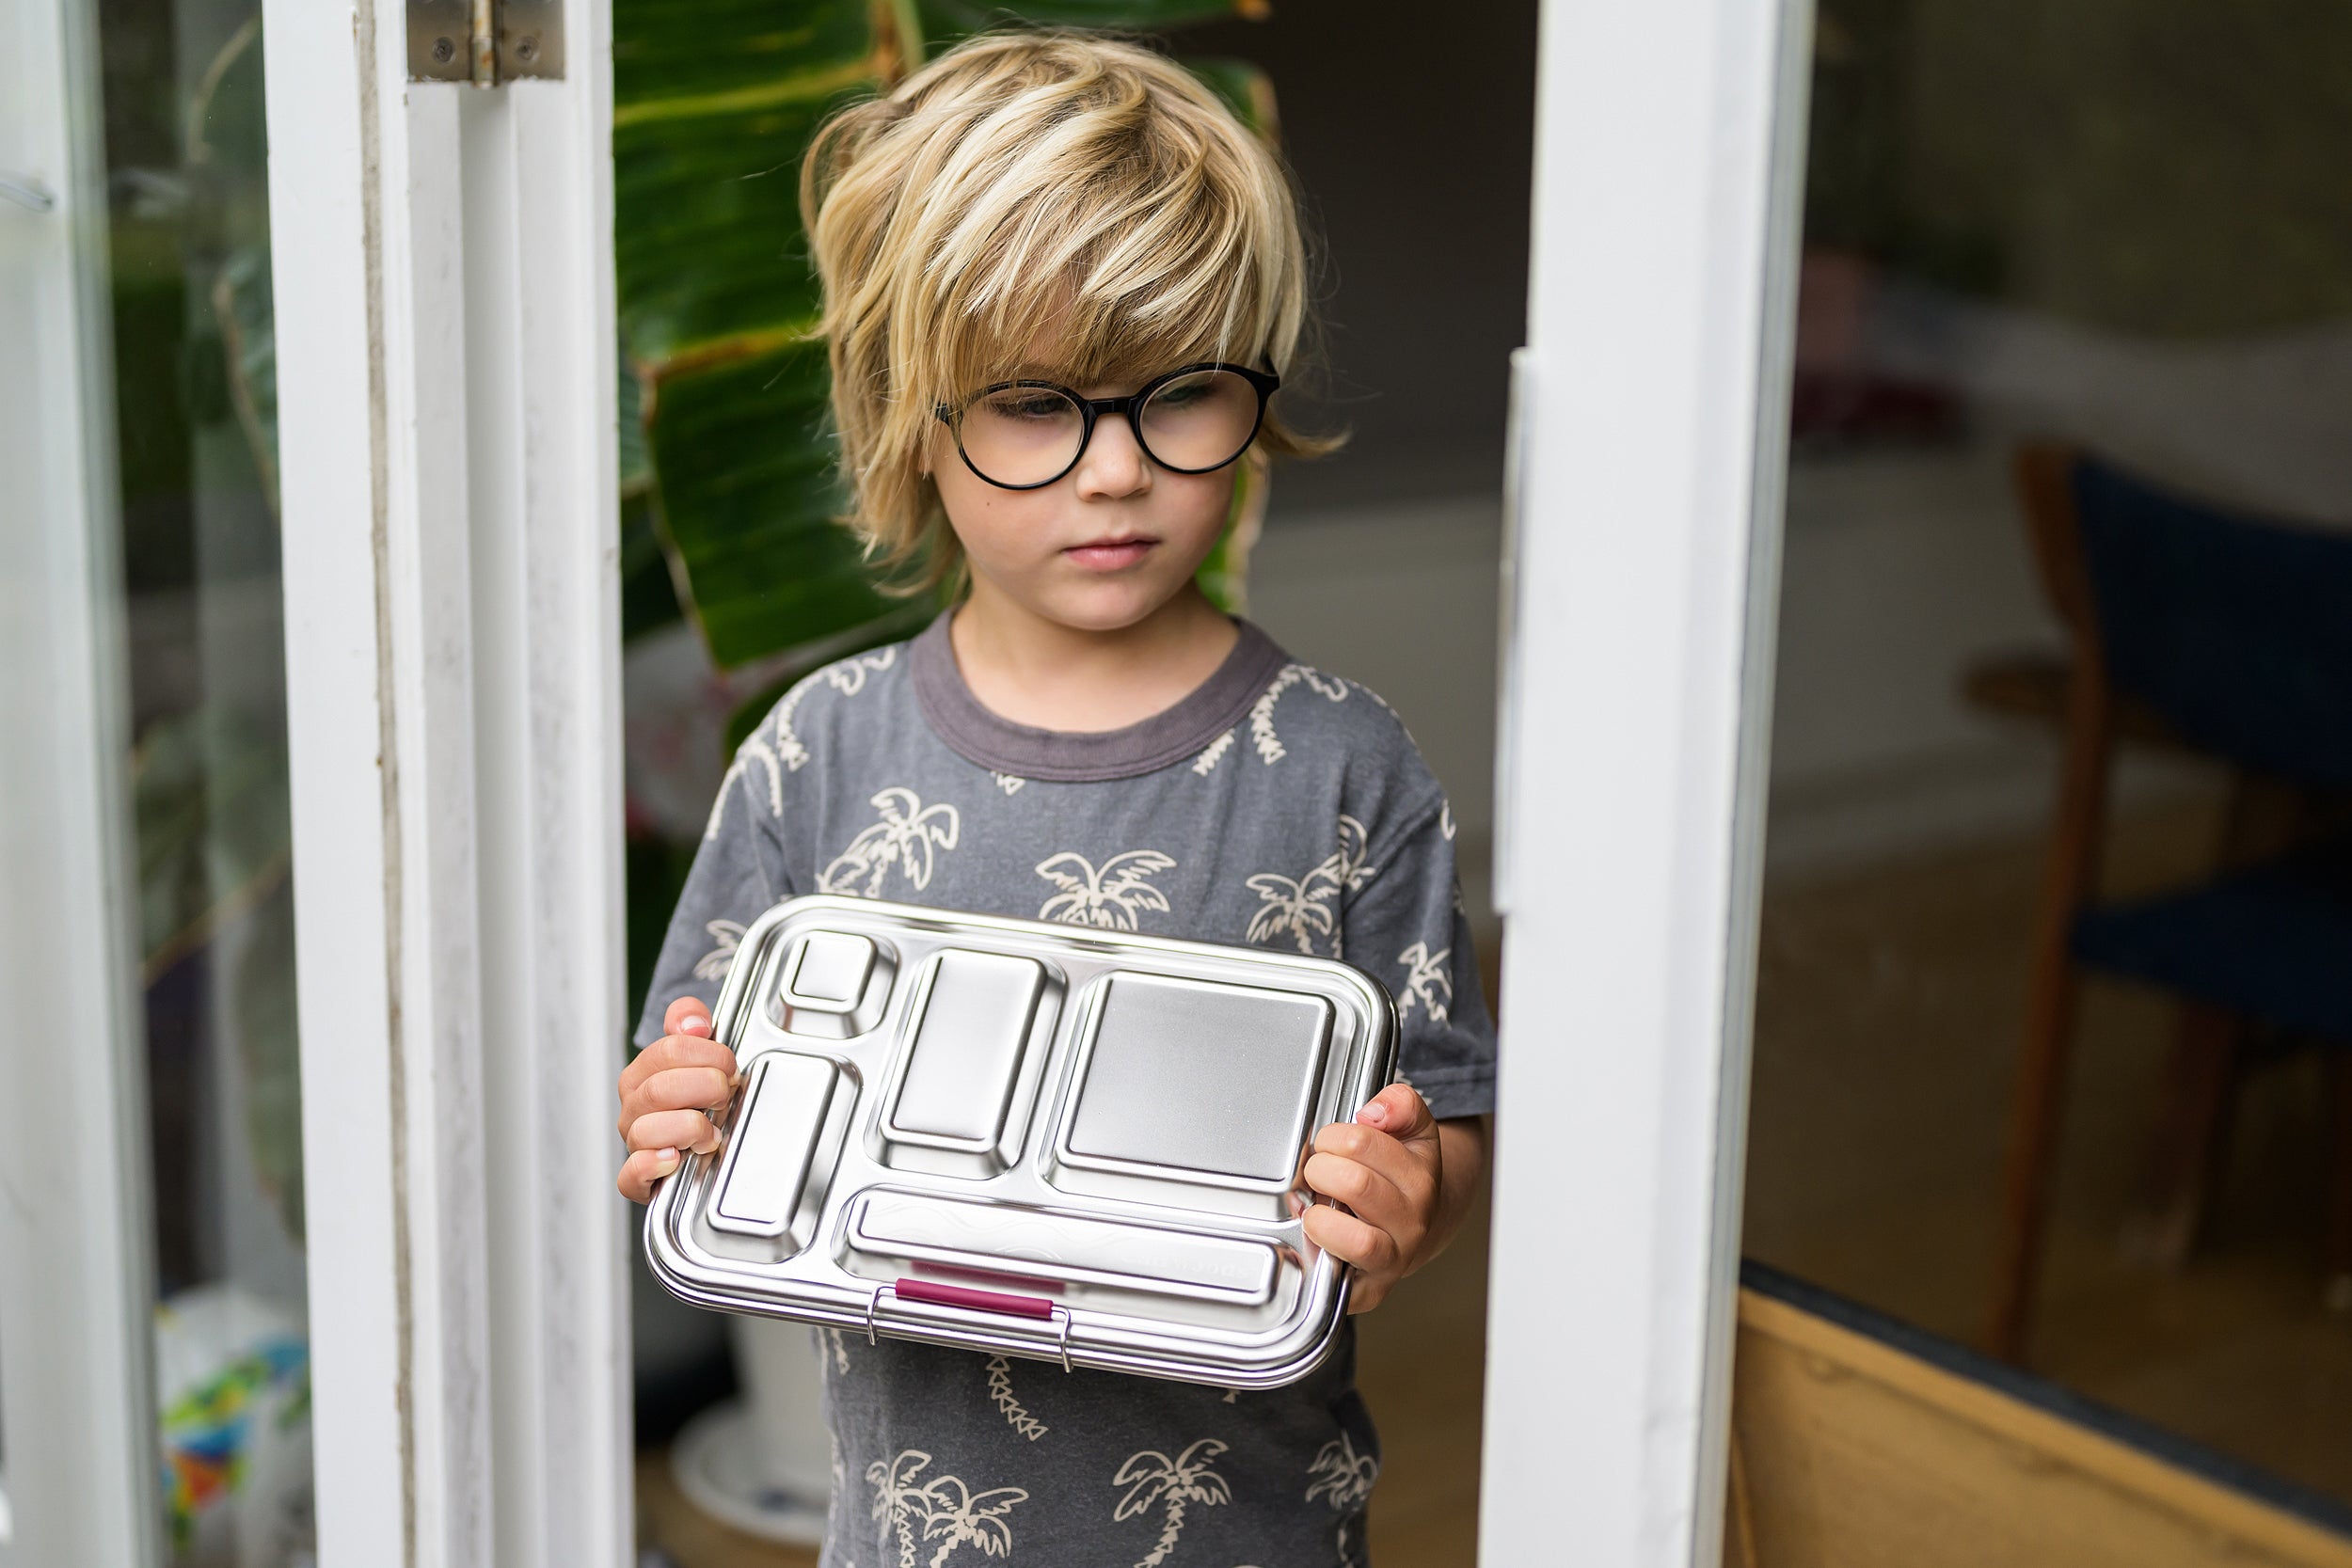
(996, 1240)
(956, 1089)
(774, 1141)
(1198, 1078)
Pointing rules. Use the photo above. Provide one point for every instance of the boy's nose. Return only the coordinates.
(1114, 463)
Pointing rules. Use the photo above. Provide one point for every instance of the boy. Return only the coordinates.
(1059, 278)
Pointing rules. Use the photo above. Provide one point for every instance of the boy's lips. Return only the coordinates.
(1110, 555)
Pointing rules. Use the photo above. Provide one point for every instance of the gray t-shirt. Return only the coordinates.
(1274, 805)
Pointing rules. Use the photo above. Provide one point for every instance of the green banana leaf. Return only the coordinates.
(718, 306)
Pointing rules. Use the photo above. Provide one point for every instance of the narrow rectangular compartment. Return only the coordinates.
(785, 1101)
(1197, 1079)
(957, 1086)
(994, 1239)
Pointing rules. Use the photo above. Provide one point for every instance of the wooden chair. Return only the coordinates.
(2233, 638)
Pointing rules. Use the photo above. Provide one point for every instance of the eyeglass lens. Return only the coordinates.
(1031, 435)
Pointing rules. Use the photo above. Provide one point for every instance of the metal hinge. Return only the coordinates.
(484, 42)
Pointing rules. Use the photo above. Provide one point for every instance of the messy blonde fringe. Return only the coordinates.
(1035, 187)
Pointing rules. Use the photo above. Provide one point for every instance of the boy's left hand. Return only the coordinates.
(1386, 1167)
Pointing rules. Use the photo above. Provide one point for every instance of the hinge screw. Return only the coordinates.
(527, 48)
(444, 51)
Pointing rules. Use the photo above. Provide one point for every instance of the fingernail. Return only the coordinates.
(707, 1142)
(1374, 1114)
(694, 1024)
(665, 1161)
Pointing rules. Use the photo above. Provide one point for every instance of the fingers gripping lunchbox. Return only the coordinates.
(1034, 1139)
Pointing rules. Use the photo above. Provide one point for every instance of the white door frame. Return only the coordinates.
(77, 1404)
(443, 258)
(1648, 445)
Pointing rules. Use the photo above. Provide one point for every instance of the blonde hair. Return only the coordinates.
(1028, 188)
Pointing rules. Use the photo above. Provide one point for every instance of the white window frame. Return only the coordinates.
(443, 262)
(1647, 452)
(77, 1405)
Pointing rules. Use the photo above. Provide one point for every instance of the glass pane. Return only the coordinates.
(2073, 436)
(195, 387)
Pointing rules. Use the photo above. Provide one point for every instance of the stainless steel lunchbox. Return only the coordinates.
(1078, 1145)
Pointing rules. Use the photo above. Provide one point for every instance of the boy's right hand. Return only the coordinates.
(664, 1093)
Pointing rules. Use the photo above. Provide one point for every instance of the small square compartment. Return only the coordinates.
(832, 985)
(1197, 1081)
(830, 972)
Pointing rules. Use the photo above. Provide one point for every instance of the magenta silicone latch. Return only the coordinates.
(938, 1294)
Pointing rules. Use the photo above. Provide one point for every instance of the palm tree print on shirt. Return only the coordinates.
(774, 746)
(1426, 975)
(848, 675)
(1307, 908)
(1112, 899)
(712, 965)
(943, 1507)
(1344, 1476)
(1000, 1394)
(1349, 865)
(1262, 733)
(1300, 910)
(904, 840)
(755, 748)
(958, 1515)
(1213, 754)
(897, 1501)
(1151, 1476)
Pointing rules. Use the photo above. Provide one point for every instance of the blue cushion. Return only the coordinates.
(2237, 629)
(2273, 940)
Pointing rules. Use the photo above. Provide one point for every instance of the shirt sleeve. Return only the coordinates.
(1406, 929)
(737, 873)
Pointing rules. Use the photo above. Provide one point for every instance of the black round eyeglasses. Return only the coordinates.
(1026, 434)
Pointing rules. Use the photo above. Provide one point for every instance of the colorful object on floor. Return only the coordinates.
(206, 1433)
(234, 1383)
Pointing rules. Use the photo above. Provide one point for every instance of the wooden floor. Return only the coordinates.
(1887, 1017)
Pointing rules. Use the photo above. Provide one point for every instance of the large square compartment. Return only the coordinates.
(1197, 1081)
